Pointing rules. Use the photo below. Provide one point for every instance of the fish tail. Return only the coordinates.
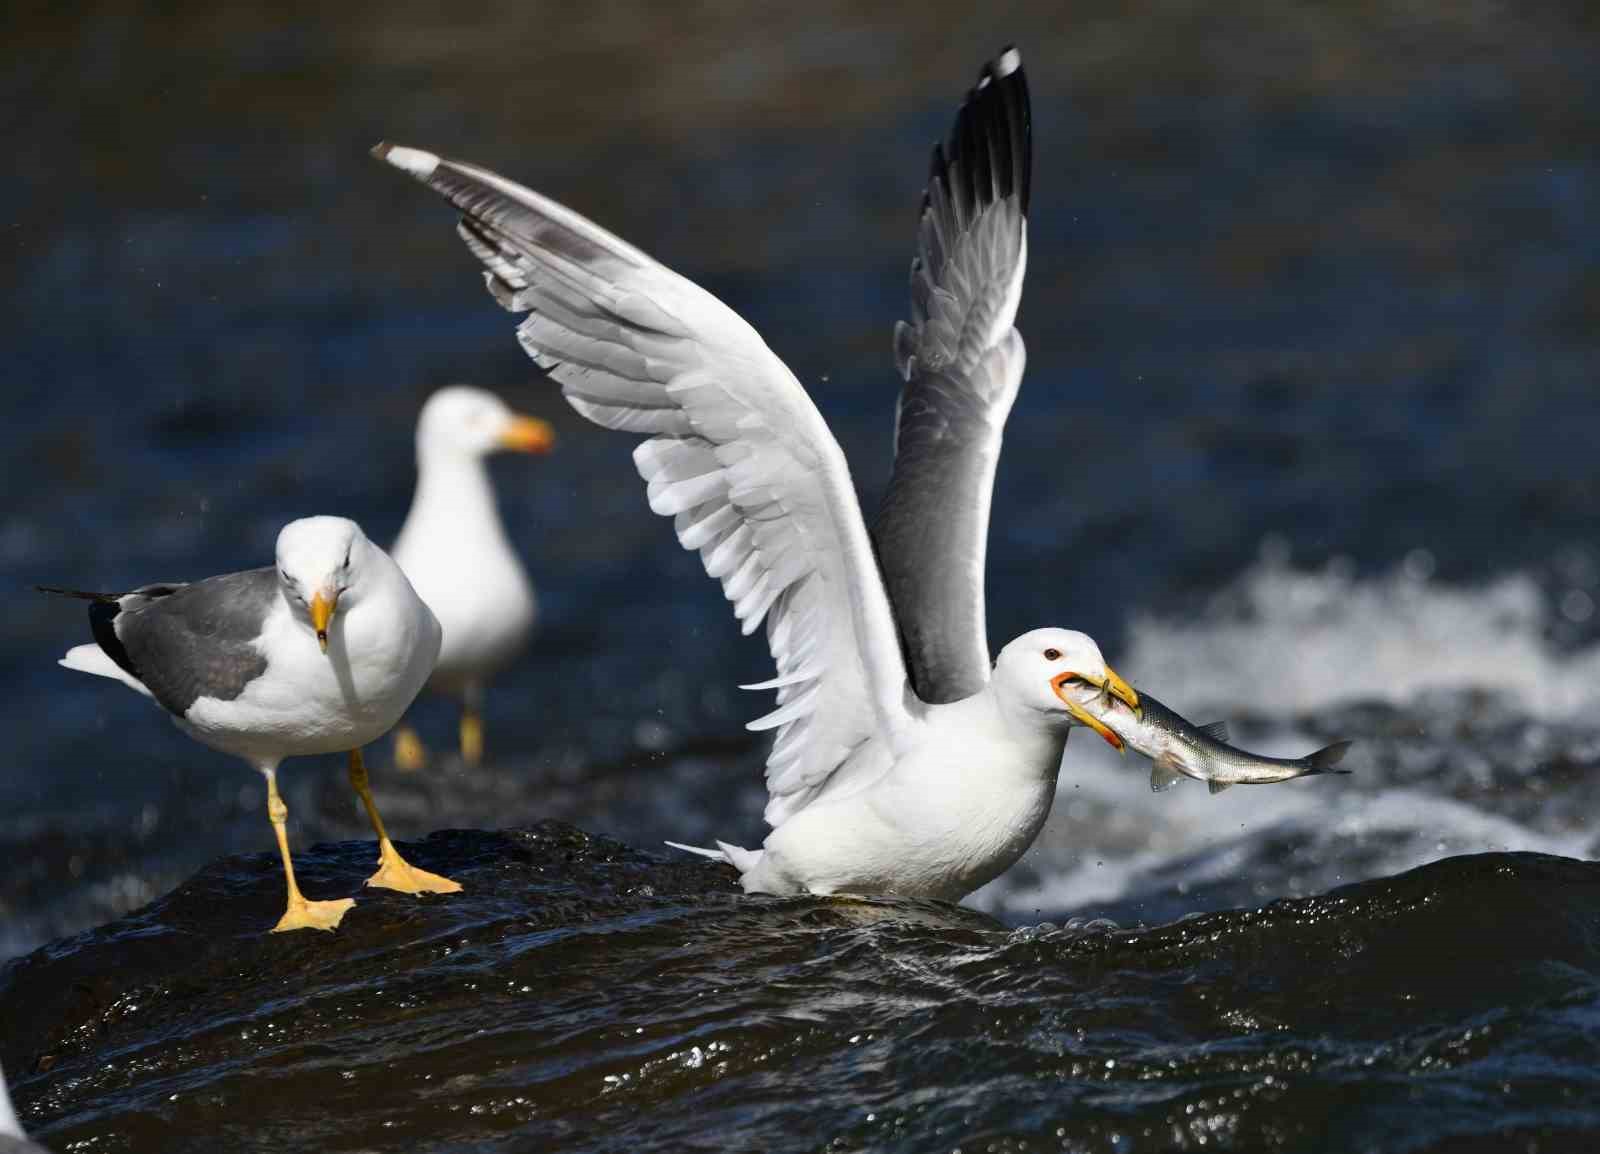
(1326, 758)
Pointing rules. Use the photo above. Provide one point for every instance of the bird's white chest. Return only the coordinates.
(969, 811)
(310, 702)
(952, 814)
(477, 588)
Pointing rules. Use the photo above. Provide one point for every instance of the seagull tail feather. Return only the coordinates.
(90, 658)
(713, 854)
(741, 859)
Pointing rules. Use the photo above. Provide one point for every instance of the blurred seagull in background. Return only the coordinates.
(454, 549)
(320, 653)
(902, 763)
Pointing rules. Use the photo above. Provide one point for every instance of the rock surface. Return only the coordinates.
(582, 995)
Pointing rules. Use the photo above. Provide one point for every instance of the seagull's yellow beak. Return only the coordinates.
(322, 608)
(1112, 684)
(528, 435)
(1122, 691)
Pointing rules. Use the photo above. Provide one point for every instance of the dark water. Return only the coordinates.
(581, 995)
(1306, 441)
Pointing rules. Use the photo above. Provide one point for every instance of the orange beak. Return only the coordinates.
(1122, 691)
(321, 613)
(528, 435)
(1111, 683)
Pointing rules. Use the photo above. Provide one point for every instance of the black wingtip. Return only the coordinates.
(989, 155)
(103, 611)
(80, 594)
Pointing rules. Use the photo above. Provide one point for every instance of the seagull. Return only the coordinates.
(902, 764)
(320, 653)
(12, 1139)
(454, 549)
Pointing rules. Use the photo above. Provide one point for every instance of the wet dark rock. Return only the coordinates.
(584, 995)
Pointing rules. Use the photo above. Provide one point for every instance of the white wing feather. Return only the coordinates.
(738, 456)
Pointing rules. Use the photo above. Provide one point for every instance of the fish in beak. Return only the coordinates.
(528, 435)
(322, 608)
(1111, 683)
(1122, 691)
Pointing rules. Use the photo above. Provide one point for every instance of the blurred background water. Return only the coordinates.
(1307, 438)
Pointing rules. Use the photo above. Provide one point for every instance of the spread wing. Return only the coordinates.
(962, 362)
(736, 454)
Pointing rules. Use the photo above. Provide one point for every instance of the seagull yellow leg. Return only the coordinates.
(472, 725)
(301, 914)
(410, 754)
(394, 872)
(471, 736)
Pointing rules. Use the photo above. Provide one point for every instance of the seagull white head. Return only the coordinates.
(1060, 671)
(466, 423)
(321, 563)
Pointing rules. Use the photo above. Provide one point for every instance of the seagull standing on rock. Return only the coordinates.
(914, 771)
(321, 653)
(454, 549)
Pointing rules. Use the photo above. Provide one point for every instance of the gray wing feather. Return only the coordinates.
(962, 362)
(737, 454)
(197, 640)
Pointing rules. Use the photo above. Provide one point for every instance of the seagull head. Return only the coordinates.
(464, 423)
(1059, 672)
(321, 561)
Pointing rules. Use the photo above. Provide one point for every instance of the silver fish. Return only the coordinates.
(1175, 747)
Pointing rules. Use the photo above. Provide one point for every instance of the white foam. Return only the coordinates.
(1283, 644)
(1111, 838)
(1282, 641)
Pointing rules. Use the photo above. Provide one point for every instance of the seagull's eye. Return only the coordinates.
(347, 549)
(1052, 655)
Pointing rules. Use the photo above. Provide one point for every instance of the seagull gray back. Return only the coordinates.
(185, 642)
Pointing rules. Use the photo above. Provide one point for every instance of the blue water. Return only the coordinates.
(1307, 437)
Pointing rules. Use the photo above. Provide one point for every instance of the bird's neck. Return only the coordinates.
(1042, 735)
(451, 486)
(1032, 741)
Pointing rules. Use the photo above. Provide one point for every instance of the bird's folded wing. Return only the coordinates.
(185, 642)
(962, 361)
(737, 455)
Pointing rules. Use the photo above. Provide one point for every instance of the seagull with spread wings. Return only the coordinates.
(903, 763)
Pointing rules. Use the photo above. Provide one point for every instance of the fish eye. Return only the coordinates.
(1052, 655)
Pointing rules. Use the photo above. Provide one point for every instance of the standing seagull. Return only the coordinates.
(875, 784)
(454, 549)
(320, 654)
